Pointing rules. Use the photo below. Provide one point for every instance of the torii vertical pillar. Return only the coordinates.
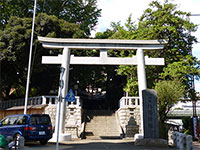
(141, 82)
(65, 63)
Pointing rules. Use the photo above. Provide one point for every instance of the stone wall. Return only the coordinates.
(51, 110)
(73, 120)
(129, 119)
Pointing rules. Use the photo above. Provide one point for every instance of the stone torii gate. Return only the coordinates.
(103, 45)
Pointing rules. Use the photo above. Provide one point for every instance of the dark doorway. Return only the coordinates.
(109, 100)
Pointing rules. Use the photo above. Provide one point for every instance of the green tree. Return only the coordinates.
(123, 32)
(167, 22)
(182, 70)
(169, 92)
(85, 13)
(159, 21)
(14, 42)
(10, 8)
(14, 46)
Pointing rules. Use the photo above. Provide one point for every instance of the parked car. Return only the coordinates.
(33, 127)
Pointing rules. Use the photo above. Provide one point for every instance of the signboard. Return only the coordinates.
(70, 97)
(150, 113)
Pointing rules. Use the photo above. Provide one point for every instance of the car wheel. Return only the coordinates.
(43, 142)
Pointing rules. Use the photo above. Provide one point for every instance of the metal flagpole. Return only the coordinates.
(29, 64)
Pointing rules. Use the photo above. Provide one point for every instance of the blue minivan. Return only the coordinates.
(33, 127)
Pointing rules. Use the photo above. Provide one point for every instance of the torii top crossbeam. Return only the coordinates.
(56, 43)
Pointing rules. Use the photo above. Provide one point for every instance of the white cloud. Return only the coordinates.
(189, 5)
(119, 10)
(197, 86)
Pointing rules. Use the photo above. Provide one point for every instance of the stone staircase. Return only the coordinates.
(101, 124)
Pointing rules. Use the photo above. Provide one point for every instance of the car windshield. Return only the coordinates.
(13, 120)
(21, 120)
(36, 120)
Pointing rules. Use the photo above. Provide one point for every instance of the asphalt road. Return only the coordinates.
(92, 145)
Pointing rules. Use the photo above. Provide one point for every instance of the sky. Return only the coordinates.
(119, 10)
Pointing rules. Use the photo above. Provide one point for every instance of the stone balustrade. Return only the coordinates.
(129, 116)
(38, 100)
(129, 101)
(42, 100)
(11, 103)
(180, 140)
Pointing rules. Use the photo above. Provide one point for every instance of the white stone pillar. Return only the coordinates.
(65, 64)
(142, 84)
(44, 100)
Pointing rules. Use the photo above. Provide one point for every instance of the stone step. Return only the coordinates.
(100, 134)
(102, 125)
(91, 134)
(104, 131)
(102, 137)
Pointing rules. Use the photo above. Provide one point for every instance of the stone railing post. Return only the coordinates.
(44, 100)
(189, 142)
(181, 141)
(50, 100)
(77, 100)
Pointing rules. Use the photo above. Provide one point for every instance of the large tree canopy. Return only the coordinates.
(159, 21)
(82, 12)
(166, 22)
(66, 18)
(15, 44)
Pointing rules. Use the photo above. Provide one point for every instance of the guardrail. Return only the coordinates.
(129, 101)
(38, 100)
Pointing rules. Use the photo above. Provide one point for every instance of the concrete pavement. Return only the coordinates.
(196, 145)
(113, 144)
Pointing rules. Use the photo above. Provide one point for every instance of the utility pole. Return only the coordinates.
(193, 95)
